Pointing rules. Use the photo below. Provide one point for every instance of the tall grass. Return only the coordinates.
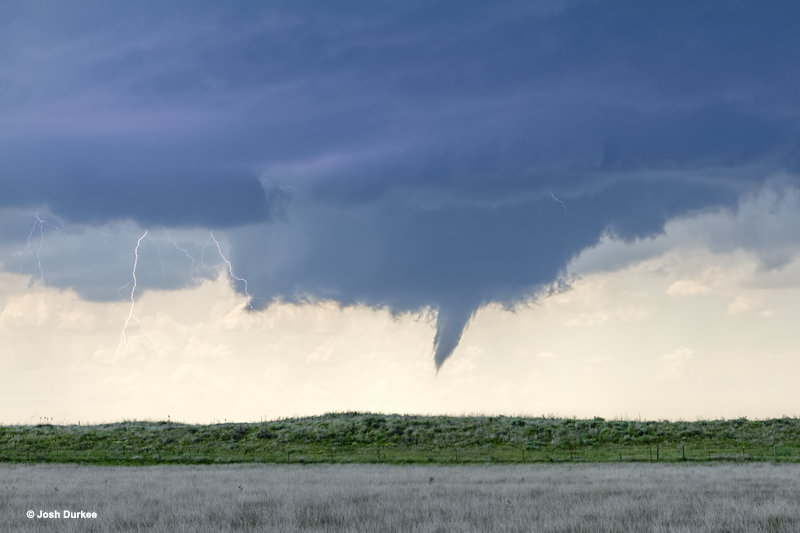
(292, 498)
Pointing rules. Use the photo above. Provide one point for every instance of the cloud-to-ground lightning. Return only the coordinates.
(40, 224)
(201, 263)
(559, 201)
(133, 283)
(123, 338)
(232, 275)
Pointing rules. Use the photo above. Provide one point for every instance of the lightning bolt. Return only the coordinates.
(194, 269)
(123, 342)
(559, 201)
(40, 224)
(234, 276)
(200, 263)
(551, 192)
(191, 267)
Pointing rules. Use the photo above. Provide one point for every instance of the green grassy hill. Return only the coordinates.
(368, 437)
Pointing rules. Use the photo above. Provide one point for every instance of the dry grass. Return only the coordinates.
(552, 498)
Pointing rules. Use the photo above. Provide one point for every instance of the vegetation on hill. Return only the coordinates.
(369, 437)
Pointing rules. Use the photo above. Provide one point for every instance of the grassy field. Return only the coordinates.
(592, 498)
(405, 439)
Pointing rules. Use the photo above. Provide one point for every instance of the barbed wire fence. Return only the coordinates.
(22, 452)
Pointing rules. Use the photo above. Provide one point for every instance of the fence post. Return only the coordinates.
(683, 452)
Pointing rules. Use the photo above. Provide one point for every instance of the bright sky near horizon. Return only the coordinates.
(570, 208)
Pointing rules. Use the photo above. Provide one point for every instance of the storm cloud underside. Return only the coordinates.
(402, 156)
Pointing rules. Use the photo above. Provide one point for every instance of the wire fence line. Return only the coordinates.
(401, 455)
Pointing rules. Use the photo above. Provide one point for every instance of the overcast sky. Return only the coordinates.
(256, 210)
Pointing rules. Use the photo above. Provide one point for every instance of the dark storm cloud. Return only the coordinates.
(224, 200)
(422, 143)
(453, 258)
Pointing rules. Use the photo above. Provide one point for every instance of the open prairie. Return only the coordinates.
(286, 498)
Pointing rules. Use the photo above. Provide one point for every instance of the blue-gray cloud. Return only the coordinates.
(396, 155)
